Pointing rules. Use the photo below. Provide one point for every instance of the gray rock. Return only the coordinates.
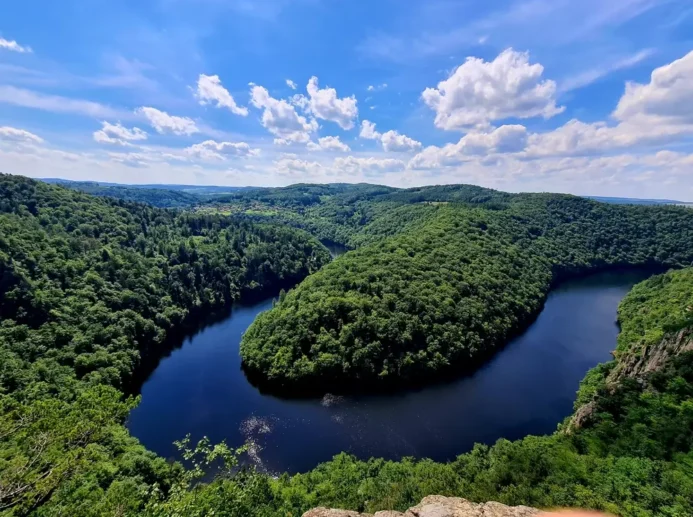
(439, 506)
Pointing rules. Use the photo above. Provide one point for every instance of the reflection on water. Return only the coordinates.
(528, 388)
(335, 248)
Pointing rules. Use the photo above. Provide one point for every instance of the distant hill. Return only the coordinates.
(181, 196)
(196, 189)
(636, 201)
(162, 196)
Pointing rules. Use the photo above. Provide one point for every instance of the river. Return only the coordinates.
(527, 388)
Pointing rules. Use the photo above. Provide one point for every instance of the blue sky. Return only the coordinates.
(588, 97)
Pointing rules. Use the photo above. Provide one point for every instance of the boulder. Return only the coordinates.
(438, 506)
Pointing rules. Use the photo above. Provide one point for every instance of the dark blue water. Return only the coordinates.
(334, 248)
(527, 388)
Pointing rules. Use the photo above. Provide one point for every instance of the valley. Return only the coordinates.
(493, 294)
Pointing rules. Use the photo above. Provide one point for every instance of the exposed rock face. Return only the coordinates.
(637, 364)
(652, 358)
(439, 506)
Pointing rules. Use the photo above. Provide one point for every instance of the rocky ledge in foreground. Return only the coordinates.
(438, 506)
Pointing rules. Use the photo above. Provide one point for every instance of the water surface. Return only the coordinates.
(527, 388)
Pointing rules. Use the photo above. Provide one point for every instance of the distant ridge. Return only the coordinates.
(636, 201)
(215, 189)
(197, 189)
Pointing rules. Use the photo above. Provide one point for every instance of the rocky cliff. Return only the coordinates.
(636, 364)
(438, 506)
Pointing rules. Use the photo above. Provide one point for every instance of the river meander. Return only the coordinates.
(527, 388)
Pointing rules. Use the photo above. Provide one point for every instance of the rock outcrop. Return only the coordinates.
(651, 358)
(439, 506)
(637, 364)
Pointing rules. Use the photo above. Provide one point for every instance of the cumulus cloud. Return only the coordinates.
(655, 113)
(211, 91)
(213, 150)
(646, 114)
(370, 165)
(390, 140)
(377, 87)
(11, 134)
(325, 105)
(281, 119)
(668, 96)
(291, 84)
(394, 141)
(505, 139)
(368, 130)
(479, 92)
(292, 166)
(300, 101)
(118, 134)
(14, 46)
(165, 123)
(328, 143)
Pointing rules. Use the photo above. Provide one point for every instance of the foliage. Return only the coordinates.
(88, 287)
(659, 306)
(162, 198)
(633, 460)
(442, 275)
(437, 288)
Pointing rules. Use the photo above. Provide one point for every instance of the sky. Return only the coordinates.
(588, 97)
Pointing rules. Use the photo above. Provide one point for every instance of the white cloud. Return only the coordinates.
(212, 150)
(211, 91)
(291, 84)
(165, 123)
(300, 101)
(118, 134)
(368, 130)
(58, 104)
(11, 134)
(281, 119)
(14, 46)
(394, 141)
(325, 105)
(293, 166)
(668, 96)
(659, 112)
(370, 165)
(377, 87)
(505, 139)
(391, 140)
(652, 113)
(328, 143)
(479, 92)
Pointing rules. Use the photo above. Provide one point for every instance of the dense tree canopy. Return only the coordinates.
(87, 287)
(632, 459)
(437, 287)
(441, 275)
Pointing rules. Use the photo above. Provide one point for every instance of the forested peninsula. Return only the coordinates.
(440, 283)
(438, 278)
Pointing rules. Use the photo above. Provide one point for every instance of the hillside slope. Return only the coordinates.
(444, 289)
(88, 287)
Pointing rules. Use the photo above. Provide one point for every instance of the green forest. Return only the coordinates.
(438, 279)
(438, 287)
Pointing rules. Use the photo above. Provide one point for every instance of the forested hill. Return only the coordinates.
(632, 457)
(162, 196)
(440, 284)
(89, 285)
